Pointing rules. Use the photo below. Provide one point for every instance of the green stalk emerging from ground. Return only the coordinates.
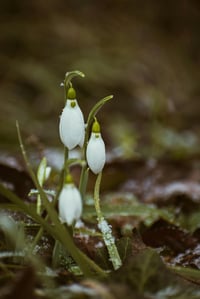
(105, 228)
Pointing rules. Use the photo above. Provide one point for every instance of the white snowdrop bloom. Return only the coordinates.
(72, 127)
(69, 204)
(96, 153)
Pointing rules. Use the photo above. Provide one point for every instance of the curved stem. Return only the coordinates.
(91, 116)
(68, 77)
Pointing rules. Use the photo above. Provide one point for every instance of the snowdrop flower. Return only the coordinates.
(72, 127)
(69, 203)
(95, 153)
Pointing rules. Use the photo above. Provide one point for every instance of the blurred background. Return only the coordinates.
(145, 53)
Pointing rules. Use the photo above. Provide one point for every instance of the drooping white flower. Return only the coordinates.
(72, 127)
(69, 204)
(96, 153)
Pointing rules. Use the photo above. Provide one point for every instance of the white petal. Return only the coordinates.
(69, 204)
(81, 142)
(47, 172)
(72, 127)
(95, 153)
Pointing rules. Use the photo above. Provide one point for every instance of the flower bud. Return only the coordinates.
(72, 127)
(43, 171)
(69, 204)
(95, 153)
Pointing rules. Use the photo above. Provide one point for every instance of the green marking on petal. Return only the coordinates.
(73, 104)
(97, 135)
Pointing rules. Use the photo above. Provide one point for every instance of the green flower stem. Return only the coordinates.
(58, 231)
(68, 77)
(65, 165)
(83, 181)
(97, 199)
(64, 172)
(106, 228)
(91, 116)
(39, 204)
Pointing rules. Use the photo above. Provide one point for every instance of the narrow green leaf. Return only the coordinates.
(143, 211)
(186, 272)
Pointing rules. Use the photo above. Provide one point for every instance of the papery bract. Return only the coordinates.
(96, 153)
(69, 204)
